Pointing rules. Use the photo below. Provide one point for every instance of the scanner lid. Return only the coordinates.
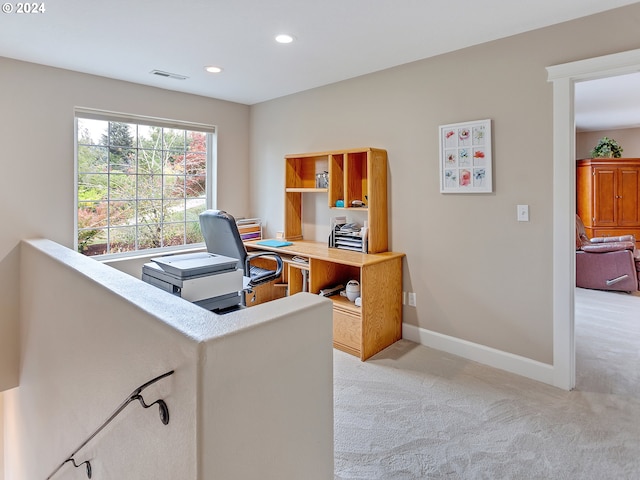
(199, 263)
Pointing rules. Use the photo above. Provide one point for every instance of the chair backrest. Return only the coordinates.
(221, 235)
(581, 234)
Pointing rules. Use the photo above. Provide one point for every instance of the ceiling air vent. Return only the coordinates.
(175, 76)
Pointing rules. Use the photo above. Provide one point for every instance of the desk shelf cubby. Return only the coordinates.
(355, 174)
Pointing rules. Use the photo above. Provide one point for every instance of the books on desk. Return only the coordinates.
(249, 228)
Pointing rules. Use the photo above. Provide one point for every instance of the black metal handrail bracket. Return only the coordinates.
(135, 395)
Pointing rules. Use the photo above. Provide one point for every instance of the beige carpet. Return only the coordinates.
(411, 412)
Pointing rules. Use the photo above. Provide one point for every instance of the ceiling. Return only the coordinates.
(608, 103)
(334, 39)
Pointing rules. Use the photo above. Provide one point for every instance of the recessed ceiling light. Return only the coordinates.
(284, 38)
(213, 69)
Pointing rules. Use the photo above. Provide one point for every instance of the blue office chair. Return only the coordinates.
(222, 237)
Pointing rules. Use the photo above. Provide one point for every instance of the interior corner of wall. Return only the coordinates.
(9, 319)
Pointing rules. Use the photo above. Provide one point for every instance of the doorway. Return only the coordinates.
(564, 78)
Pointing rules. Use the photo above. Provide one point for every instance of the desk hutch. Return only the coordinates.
(355, 174)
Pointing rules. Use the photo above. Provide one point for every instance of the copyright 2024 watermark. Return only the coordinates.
(23, 8)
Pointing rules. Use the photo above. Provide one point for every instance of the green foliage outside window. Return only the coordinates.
(138, 186)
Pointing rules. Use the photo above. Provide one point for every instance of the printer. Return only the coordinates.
(211, 281)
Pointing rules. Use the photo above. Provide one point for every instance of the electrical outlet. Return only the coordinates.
(412, 299)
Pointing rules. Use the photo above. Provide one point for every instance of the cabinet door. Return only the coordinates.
(347, 331)
(627, 196)
(604, 206)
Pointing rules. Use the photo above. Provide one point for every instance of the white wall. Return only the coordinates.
(271, 391)
(480, 276)
(36, 131)
(85, 346)
(627, 138)
(251, 396)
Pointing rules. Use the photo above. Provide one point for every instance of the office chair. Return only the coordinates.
(222, 237)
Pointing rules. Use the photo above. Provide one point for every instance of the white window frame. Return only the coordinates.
(211, 165)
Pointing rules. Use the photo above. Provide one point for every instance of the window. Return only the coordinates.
(141, 183)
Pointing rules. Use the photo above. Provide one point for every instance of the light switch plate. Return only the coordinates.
(523, 213)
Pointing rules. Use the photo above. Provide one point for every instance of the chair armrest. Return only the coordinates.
(621, 238)
(608, 247)
(269, 274)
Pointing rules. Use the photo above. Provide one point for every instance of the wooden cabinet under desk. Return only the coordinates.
(361, 331)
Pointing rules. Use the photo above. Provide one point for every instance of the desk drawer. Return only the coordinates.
(347, 331)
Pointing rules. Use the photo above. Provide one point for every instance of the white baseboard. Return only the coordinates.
(526, 367)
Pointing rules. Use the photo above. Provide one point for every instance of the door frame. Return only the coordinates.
(564, 78)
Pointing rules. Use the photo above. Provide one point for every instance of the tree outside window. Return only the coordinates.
(139, 186)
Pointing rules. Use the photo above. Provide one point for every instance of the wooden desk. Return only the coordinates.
(361, 331)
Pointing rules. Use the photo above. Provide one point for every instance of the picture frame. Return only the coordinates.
(465, 157)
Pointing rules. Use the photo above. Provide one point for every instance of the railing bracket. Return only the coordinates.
(135, 395)
(73, 462)
(162, 407)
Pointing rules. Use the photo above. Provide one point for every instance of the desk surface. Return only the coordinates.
(320, 251)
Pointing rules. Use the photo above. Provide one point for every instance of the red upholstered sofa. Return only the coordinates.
(606, 263)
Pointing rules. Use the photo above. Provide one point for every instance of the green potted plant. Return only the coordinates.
(608, 148)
